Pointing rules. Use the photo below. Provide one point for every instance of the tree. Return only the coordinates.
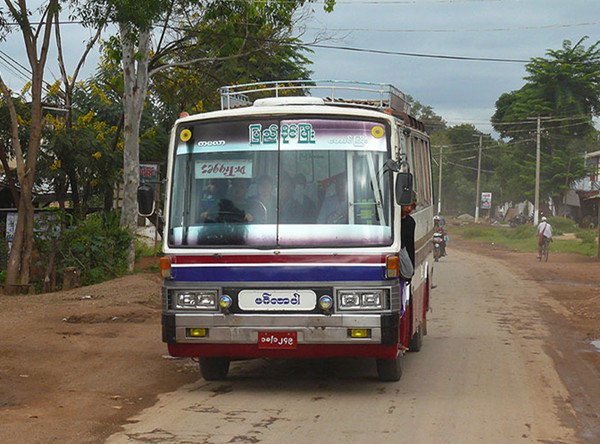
(6, 146)
(425, 113)
(564, 87)
(19, 262)
(136, 21)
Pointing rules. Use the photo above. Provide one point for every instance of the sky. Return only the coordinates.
(460, 91)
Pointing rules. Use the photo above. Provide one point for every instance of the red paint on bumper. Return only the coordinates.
(303, 351)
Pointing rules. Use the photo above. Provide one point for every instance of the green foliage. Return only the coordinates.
(235, 42)
(144, 250)
(95, 245)
(562, 225)
(564, 88)
(460, 151)
(524, 238)
(475, 232)
(588, 236)
(521, 232)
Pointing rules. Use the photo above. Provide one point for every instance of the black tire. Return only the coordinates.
(214, 368)
(390, 369)
(545, 251)
(416, 342)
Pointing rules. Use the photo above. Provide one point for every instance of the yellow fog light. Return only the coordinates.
(197, 332)
(360, 333)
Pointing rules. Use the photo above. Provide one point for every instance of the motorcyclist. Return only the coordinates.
(438, 227)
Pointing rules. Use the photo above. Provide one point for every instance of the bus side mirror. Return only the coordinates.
(145, 195)
(404, 189)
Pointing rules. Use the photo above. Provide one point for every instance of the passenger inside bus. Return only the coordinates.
(290, 211)
(335, 207)
(212, 194)
(308, 208)
(264, 195)
(240, 208)
(235, 207)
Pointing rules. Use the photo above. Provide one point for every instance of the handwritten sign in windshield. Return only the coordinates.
(223, 169)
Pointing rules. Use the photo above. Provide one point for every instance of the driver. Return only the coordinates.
(235, 208)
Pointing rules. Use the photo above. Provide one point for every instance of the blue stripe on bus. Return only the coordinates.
(280, 274)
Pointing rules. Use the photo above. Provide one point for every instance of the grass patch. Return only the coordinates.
(144, 250)
(524, 237)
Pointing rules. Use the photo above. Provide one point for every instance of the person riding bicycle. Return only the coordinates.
(544, 231)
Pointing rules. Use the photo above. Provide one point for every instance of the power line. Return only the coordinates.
(414, 31)
(467, 167)
(412, 54)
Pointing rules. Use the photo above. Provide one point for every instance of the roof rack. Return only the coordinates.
(365, 94)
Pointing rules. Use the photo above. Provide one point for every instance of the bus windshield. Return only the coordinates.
(286, 182)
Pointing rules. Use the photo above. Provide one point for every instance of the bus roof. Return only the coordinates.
(381, 97)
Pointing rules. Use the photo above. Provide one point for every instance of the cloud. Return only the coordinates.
(462, 89)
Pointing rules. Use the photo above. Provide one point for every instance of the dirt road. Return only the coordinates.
(508, 358)
(485, 374)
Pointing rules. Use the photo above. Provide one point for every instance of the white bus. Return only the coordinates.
(282, 227)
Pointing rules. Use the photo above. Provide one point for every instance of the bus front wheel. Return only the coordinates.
(214, 368)
(390, 369)
(416, 342)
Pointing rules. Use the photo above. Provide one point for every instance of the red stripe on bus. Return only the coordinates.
(303, 351)
(280, 259)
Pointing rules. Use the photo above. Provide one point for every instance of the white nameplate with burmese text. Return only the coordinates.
(277, 300)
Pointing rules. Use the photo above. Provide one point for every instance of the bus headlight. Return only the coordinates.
(362, 299)
(202, 299)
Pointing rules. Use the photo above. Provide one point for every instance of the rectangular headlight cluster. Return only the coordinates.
(362, 299)
(195, 299)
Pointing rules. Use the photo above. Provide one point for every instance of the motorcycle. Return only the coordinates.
(438, 245)
(520, 219)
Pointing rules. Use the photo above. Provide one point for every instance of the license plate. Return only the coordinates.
(277, 339)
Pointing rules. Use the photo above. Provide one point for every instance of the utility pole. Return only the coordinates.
(536, 203)
(440, 184)
(478, 177)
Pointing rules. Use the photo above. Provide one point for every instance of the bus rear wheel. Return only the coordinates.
(214, 368)
(390, 369)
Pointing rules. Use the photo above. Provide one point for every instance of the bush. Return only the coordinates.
(588, 236)
(96, 245)
(562, 225)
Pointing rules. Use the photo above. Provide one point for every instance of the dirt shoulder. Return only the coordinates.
(572, 311)
(75, 365)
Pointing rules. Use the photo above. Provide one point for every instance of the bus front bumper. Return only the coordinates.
(316, 335)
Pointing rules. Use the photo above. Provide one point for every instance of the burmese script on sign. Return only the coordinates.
(293, 300)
